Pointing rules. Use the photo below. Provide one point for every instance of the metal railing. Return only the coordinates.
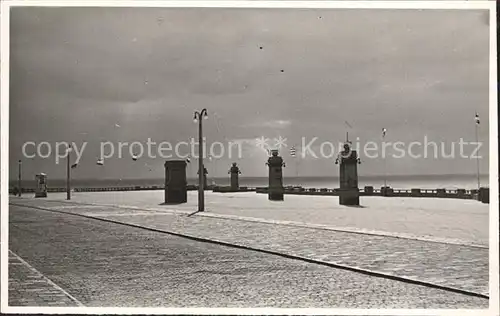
(366, 191)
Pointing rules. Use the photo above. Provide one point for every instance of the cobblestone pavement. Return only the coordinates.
(449, 265)
(28, 287)
(106, 264)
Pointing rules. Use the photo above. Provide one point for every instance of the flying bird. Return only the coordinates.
(100, 162)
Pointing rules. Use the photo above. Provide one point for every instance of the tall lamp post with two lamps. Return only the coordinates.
(69, 166)
(198, 118)
(20, 178)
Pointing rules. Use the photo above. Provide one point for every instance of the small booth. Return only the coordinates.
(175, 182)
(41, 185)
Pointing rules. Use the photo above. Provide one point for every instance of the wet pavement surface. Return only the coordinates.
(107, 264)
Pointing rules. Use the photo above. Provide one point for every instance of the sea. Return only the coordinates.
(397, 182)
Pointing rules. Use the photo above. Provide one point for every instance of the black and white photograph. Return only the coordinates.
(258, 157)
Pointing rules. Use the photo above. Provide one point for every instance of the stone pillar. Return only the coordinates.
(275, 163)
(175, 181)
(416, 192)
(484, 195)
(368, 190)
(205, 178)
(386, 191)
(441, 192)
(235, 172)
(41, 185)
(349, 190)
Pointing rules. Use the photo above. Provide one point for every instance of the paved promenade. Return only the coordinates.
(463, 267)
(458, 266)
(449, 220)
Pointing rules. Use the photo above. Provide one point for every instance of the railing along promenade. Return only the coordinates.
(366, 191)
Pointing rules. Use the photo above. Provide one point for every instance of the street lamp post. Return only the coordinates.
(68, 173)
(384, 131)
(477, 155)
(198, 117)
(19, 178)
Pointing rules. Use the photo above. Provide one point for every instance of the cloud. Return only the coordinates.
(276, 124)
(243, 140)
(79, 70)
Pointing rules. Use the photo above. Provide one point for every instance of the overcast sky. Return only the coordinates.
(129, 74)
